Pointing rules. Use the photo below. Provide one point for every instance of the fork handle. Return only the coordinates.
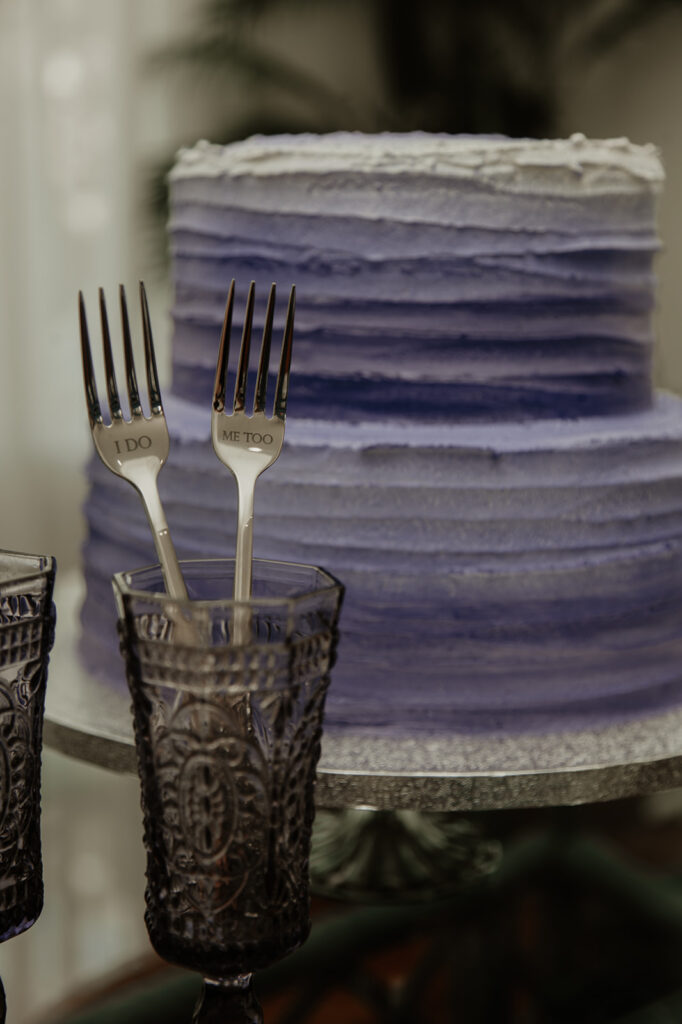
(168, 559)
(243, 568)
(175, 584)
(243, 563)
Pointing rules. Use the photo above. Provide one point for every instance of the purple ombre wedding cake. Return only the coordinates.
(473, 443)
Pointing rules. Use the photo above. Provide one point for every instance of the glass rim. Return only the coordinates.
(33, 567)
(328, 583)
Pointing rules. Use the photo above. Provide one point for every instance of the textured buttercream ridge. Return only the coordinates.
(661, 423)
(569, 165)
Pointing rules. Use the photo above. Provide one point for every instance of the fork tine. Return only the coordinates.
(155, 403)
(264, 361)
(131, 376)
(223, 354)
(243, 367)
(110, 372)
(91, 397)
(282, 389)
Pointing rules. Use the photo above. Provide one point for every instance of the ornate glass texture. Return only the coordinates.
(26, 636)
(228, 737)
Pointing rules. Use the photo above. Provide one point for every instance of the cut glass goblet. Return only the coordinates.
(26, 637)
(228, 738)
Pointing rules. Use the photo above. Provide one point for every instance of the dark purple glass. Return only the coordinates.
(26, 636)
(228, 737)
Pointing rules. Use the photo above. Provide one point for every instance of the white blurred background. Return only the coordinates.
(85, 114)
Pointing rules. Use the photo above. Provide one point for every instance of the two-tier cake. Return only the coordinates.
(473, 444)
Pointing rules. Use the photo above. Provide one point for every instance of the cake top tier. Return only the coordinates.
(552, 166)
(454, 277)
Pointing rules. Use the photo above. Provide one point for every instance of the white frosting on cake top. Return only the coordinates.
(546, 166)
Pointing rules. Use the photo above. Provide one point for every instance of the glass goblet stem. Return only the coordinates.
(228, 1001)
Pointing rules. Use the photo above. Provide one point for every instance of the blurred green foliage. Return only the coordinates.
(445, 65)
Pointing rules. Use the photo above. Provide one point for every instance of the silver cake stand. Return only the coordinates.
(89, 720)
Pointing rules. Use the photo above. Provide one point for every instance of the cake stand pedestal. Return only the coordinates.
(91, 721)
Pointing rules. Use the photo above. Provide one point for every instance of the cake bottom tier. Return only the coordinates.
(525, 578)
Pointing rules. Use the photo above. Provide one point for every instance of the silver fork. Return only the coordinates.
(249, 443)
(134, 448)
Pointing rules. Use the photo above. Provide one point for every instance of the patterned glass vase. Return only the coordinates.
(228, 738)
(26, 636)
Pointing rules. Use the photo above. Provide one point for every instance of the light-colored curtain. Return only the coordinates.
(65, 222)
(78, 118)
